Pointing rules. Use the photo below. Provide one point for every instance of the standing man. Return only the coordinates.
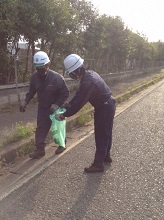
(52, 92)
(92, 89)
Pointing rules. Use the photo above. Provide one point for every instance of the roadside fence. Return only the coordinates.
(13, 86)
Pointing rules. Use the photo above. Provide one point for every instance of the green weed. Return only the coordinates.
(84, 119)
(18, 133)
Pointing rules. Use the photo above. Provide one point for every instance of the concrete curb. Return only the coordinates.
(11, 153)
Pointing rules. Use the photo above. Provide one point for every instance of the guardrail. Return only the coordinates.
(12, 94)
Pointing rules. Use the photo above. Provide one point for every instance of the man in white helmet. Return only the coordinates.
(52, 92)
(92, 89)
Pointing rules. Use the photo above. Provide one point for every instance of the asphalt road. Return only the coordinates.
(132, 188)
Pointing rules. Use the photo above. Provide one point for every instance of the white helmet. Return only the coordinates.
(72, 62)
(40, 59)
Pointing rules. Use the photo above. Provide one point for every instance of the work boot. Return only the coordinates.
(37, 154)
(94, 168)
(108, 158)
(60, 149)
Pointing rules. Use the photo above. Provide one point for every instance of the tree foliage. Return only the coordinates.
(8, 17)
(70, 26)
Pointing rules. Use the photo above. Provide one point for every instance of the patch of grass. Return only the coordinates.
(84, 115)
(18, 133)
(86, 107)
(25, 149)
(84, 119)
(155, 79)
(138, 87)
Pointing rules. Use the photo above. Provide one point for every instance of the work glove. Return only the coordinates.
(23, 106)
(66, 105)
(53, 108)
(59, 117)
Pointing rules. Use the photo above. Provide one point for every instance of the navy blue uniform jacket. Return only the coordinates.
(52, 90)
(92, 89)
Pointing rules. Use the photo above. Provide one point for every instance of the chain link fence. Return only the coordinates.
(14, 84)
(19, 66)
(103, 66)
(22, 68)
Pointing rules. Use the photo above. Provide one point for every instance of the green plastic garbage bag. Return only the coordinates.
(58, 128)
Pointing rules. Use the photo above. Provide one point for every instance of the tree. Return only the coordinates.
(158, 49)
(46, 22)
(106, 40)
(62, 27)
(8, 14)
(139, 49)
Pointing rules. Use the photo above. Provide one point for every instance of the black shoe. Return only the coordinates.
(108, 159)
(60, 150)
(94, 169)
(37, 154)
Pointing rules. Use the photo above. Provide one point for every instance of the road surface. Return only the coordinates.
(132, 188)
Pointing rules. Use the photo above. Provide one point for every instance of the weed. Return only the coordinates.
(25, 149)
(83, 119)
(18, 133)
(153, 79)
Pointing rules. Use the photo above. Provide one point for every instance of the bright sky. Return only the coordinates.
(144, 16)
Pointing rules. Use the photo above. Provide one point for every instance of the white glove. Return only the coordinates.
(59, 117)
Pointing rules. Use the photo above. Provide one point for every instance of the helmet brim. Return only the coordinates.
(39, 64)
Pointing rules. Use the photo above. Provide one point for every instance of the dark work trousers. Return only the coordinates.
(103, 125)
(43, 127)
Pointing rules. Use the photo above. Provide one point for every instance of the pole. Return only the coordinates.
(16, 77)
